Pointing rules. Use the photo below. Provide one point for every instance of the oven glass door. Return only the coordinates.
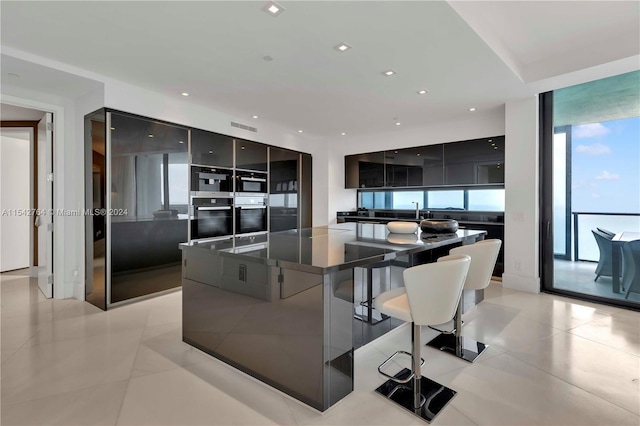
(251, 219)
(209, 222)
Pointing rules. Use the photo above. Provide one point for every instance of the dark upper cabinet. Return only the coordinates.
(251, 155)
(365, 170)
(479, 161)
(211, 149)
(418, 166)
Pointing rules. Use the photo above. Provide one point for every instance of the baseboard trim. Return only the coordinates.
(518, 282)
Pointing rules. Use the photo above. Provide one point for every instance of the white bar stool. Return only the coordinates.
(483, 259)
(430, 296)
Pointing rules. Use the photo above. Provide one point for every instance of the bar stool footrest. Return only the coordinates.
(465, 348)
(395, 378)
(435, 395)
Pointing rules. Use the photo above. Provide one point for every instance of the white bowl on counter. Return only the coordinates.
(402, 227)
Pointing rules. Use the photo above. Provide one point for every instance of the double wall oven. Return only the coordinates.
(223, 203)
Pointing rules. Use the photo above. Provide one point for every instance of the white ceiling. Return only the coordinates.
(215, 51)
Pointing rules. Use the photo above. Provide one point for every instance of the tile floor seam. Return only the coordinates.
(133, 364)
(637, 355)
(522, 315)
(572, 384)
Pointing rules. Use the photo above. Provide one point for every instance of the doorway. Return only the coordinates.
(27, 194)
(590, 190)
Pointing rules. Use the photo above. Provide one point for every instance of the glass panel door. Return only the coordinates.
(590, 178)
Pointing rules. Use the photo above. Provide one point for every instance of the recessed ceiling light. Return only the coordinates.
(273, 8)
(495, 147)
(113, 128)
(490, 140)
(418, 154)
(342, 47)
(299, 131)
(398, 123)
(388, 72)
(185, 94)
(422, 92)
(210, 152)
(180, 141)
(343, 134)
(254, 116)
(150, 135)
(242, 147)
(395, 152)
(472, 109)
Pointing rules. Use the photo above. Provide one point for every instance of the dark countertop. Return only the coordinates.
(331, 248)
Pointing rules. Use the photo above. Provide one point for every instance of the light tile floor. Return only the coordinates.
(552, 361)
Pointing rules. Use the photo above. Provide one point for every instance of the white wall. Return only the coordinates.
(336, 198)
(521, 240)
(15, 191)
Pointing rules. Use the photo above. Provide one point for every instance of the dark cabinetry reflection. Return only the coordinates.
(95, 191)
(479, 161)
(211, 149)
(474, 161)
(251, 155)
(365, 170)
(289, 189)
(149, 190)
(283, 189)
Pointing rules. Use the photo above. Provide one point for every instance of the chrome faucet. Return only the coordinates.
(417, 203)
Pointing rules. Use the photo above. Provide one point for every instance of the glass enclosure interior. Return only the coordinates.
(283, 189)
(595, 186)
(149, 201)
(96, 202)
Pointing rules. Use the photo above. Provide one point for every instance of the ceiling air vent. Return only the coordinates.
(244, 126)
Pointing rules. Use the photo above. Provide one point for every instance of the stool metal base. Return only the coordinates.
(366, 314)
(434, 395)
(462, 347)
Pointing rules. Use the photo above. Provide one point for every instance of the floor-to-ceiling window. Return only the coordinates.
(590, 204)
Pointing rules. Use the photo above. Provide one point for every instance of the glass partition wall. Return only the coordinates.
(590, 204)
(137, 192)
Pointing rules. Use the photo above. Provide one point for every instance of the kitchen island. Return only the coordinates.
(281, 306)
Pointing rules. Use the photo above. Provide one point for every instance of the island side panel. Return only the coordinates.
(250, 315)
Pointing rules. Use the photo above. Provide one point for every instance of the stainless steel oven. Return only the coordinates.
(253, 182)
(211, 217)
(251, 213)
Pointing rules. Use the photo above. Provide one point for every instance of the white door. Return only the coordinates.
(45, 204)
(15, 180)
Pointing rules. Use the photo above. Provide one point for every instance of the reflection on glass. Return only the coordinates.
(95, 191)
(149, 200)
(283, 189)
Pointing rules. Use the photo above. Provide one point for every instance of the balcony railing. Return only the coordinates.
(584, 246)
